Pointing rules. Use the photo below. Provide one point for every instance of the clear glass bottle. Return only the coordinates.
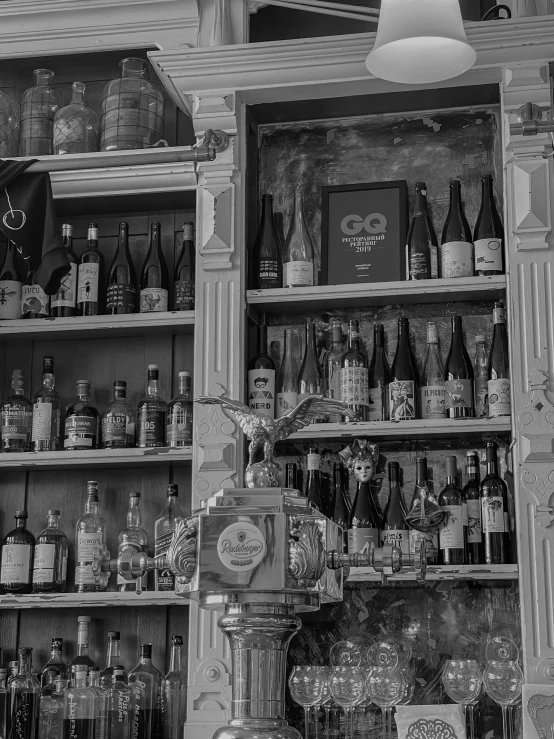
(132, 109)
(298, 254)
(11, 284)
(24, 699)
(118, 420)
(10, 117)
(50, 565)
(332, 366)
(133, 538)
(55, 668)
(46, 411)
(287, 379)
(90, 539)
(18, 548)
(113, 658)
(164, 528)
(56, 727)
(76, 125)
(179, 415)
(82, 659)
(4, 695)
(14, 672)
(45, 711)
(310, 380)
(174, 692)
(101, 725)
(63, 303)
(80, 708)
(121, 706)
(38, 108)
(481, 377)
(432, 378)
(147, 681)
(152, 413)
(17, 417)
(82, 423)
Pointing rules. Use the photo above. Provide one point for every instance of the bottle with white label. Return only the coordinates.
(404, 382)
(456, 252)
(90, 540)
(488, 235)
(11, 285)
(451, 530)
(118, 420)
(64, 302)
(431, 391)
(89, 276)
(18, 550)
(472, 502)
(354, 376)
(379, 377)
(481, 377)
(46, 411)
(261, 379)
(82, 421)
(154, 278)
(298, 254)
(50, 563)
(498, 384)
(133, 538)
(394, 529)
(287, 378)
(494, 511)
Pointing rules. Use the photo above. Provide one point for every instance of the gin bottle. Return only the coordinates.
(101, 726)
(82, 660)
(121, 706)
(147, 681)
(80, 708)
(179, 415)
(76, 125)
(91, 539)
(164, 529)
(55, 668)
(82, 426)
(24, 699)
(38, 108)
(113, 658)
(4, 704)
(174, 692)
(118, 421)
(46, 412)
(152, 413)
(133, 538)
(18, 549)
(17, 417)
(50, 565)
(56, 726)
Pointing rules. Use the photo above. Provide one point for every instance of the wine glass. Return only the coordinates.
(382, 654)
(503, 682)
(501, 648)
(346, 654)
(385, 686)
(306, 685)
(348, 689)
(325, 702)
(462, 680)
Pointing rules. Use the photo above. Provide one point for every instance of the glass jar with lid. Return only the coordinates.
(76, 125)
(10, 114)
(38, 109)
(132, 109)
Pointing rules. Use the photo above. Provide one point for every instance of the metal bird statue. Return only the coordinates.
(265, 432)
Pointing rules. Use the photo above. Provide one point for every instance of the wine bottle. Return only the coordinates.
(64, 302)
(457, 245)
(340, 504)
(379, 377)
(89, 275)
(498, 385)
(332, 366)
(481, 378)
(154, 278)
(423, 491)
(432, 378)
(394, 529)
(422, 257)
(458, 376)
(267, 265)
(310, 378)
(451, 530)
(354, 376)
(313, 482)
(488, 235)
(364, 522)
(35, 303)
(494, 511)
(298, 255)
(291, 476)
(287, 379)
(11, 285)
(261, 379)
(404, 378)
(472, 501)
(18, 550)
(185, 272)
(121, 295)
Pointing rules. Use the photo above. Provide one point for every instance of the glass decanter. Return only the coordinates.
(10, 114)
(76, 126)
(39, 106)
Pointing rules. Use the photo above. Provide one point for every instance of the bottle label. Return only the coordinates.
(313, 462)
(474, 532)
(15, 563)
(375, 404)
(488, 255)
(122, 297)
(183, 295)
(451, 530)
(34, 300)
(88, 545)
(457, 393)
(457, 259)
(80, 431)
(114, 428)
(10, 299)
(43, 566)
(16, 423)
(499, 398)
(493, 519)
(151, 427)
(286, 402)
(67, 294)
(153, 300)
(481, 397)
(418, 265)
(354, 385)
(268, 273)
(84, 575)
(432, 401)
(431, 539)
(464, 510)
(298, 274)
(396, 537)
(434, 254)
(179, 426)
(261, 392)
(360, 540)
(87, 282)
(165, 580)
(42, 422)
(402, 400)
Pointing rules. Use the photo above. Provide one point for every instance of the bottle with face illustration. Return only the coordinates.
(365, 517)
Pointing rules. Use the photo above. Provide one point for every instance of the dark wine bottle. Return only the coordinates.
(451, 530)
(310, 378)
(313, 483)
(64, 302)
(422, 257)
(154, 277)
(261, 379)
(365, 520)
(394, 529)
(90, 275)
(404, 378)
(494, 511)
(354, 376)
(472, 503)
(458, 376)
(488, 235)
(499, 367)
(35, 303)
(423, 491)
(291, 476)
(340, 503)
(267, 253)
(18, 549)
(456, 251)
(185, 271)
(379, 377)
(121, 295)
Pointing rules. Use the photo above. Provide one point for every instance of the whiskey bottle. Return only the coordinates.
(55, 668)
(18, 548)
(82, 660)
(498, 385)
(456, 252)
(185, 271)
(432, 378)
(154, 277)
(11, 284)
(82, 422)
(394, 529)
(179, 415)
(458, 376)
(267, 260)
(89, 276)
(379, 377)
(451, 531)
(404, 378)
(164, 529)
(133, 538)
(113, 659)
(121, 293)
(17, 417)
(152, 413)
(261, 379)
(118, 421)
(354, 376)
(287, 379)
(35, 303)
(174, 692)
(90, 539)
(472, 501)
(50, 564)
(147, 679)
(46, 412)
(63, 303)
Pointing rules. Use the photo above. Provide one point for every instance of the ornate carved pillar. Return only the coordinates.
(222, 22)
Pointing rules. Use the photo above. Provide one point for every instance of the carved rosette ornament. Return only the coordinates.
(182, 555)
(306, 551)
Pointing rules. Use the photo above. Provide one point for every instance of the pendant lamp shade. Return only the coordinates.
(420, 41)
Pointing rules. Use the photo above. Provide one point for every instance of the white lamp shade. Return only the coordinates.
(420, 41)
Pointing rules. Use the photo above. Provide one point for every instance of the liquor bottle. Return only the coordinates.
(332, 366)
(164, 529)
(14, 672)
(38, 108)
(154, 277)
(379, 377)
(310, 380)
(432, 378)
(313, 482)
(472, 500)
(4, 704)
(24, 699)
(481, 378)
(185, 271)
(298, 255)
(394, 529)
(152, 413)
(91, 540)
(113, 658)
(46, 411)
(291, 476)
(364, 522)
(101, 718)
(488, 235)
(287, 379)
(133, 538)
(422, 257)
(18, 549)
(267, 259)
(89, 276)
(174, 692)
(340, 504)
(494, 511)
(179, 415)
(55, 667)
(354, 376)
(76, 125)
(261, 379)
(17, 417)
(80, 708)
(458, 376)
(121, 706)
(456, 251)
(404, 378)
(63, 303)
(118, 420)
(82, 659)
(451, 530)
(11, 285)
(35, 303)
(121, 293)
(423, 492)
(50, 564)
(147, 680)
(82, 421)
(58, 694)
(498, 385)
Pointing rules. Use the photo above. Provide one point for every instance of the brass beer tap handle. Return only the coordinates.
(130, 565)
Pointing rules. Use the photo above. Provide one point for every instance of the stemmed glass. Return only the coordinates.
(385, 686)
(346, 654)
(503, 681)
(325, 702)
(348, 689)
(462, 680)
(306, 685)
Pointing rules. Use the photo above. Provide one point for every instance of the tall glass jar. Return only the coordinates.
(10, 114)
(132, 109)
(39, 106)
(76, 126)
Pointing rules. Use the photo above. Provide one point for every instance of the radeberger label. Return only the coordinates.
(241, 547)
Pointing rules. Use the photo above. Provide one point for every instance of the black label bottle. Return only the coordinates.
(82, 421)
(404, 378)
(298, 255)
(35, 303)
(164, 528)
(185, 271)
(90, 275)
(287, 378)
(17, 417)
(481, 377)
(154, 277)
(423, 492)
(451, 530)
(472, 502)
(488, 235)
(354, 376)
(498, 384)
(365, 519)
(18, 549)
(50, 563)
(422, 257)
(261, 379)
(11, 285)
(64, 302)
(121, 293)
(152, 413)
(394, 529)
(457, 245)
(179, 415)
(46, 411)
(432, 378)
(379, 377)
(267, 264)
(310, 377)
(494, 511)
(458, 376)
(118, 420)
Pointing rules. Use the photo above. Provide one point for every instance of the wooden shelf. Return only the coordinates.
(95, 458)
(90, 600)
(321, 297)
(437, 573)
